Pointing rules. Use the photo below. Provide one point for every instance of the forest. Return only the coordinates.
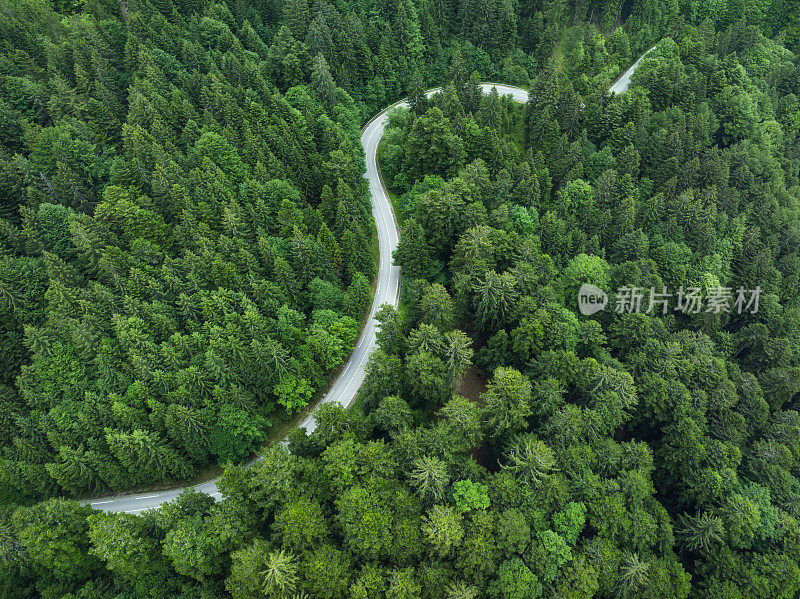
(186, 256)
(186, 253)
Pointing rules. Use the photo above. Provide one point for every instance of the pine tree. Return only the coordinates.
(286, 279)
(701, 533)
(633, 575)
(506, 28)
(490, 113)
(412, 253)
(188, 428)
(296, 16)
(290, 217)
(328, 205)
(458, 354)
(432, 147)
(287, 59)
(458, 72)
(451, 107)
(322, 82)
(319, 39)
(358, 297)
(330, 247)
(530, 460)
(356, 252)
(73, 471)
(430, 478)
(461, 590)
(472, 93)
(417, 99)
(280, 573)
(252, 41)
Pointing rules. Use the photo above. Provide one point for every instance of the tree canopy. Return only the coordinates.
(186, 251)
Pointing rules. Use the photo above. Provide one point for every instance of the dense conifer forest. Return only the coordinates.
(186, 253)
(186, 250)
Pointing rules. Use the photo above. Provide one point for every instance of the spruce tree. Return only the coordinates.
(322, 82)
(417, 99)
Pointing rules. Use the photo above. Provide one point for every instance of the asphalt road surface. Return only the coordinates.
(344, 389)
(622, 84)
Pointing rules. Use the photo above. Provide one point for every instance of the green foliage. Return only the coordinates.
(223, 155)
(570, 522)
(192, 548)
(463, 422)
(443, 530)
(393, 413)
(601, 194)
(280, 573)
(531, 461)
(556, 553)
(430, 478)
(513, 532)
(432, 147)
(701, 533)
(185, 250)
(165, 216)
(53, 221)
(293, 393)
(123, 543)
(514, 580)
(358, 297)
(366, 522)
(301, 524)
(248, 564)
(507, 403)
(55, 535)
(236, 434)
(469, 495)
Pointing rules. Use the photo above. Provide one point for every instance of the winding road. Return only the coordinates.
(623, 83)
(344, 389)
